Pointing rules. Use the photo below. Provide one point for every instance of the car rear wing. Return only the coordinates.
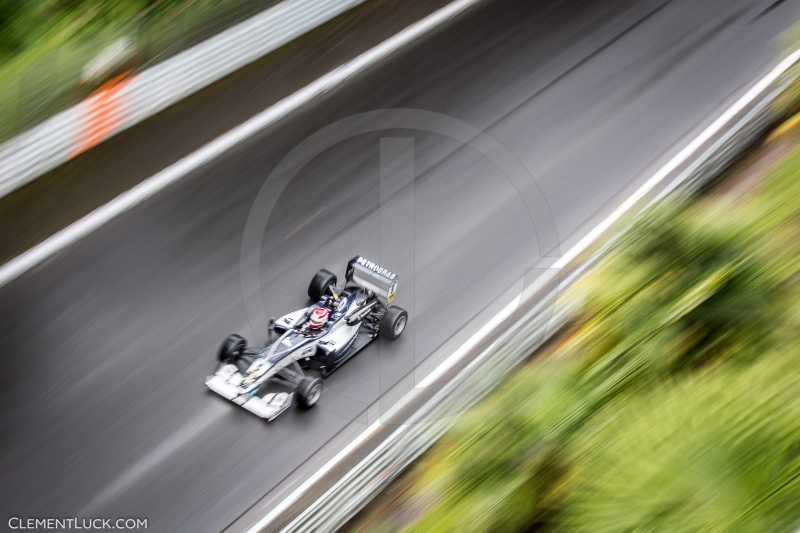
(372, 276)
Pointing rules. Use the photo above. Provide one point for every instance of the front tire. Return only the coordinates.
(232, 348)
(308, 392)
(320, 283)
(393, 323)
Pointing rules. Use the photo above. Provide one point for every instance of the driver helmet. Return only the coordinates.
(318, 318)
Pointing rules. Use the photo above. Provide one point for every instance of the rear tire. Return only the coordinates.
(308, 392)
(320, 283)
(393, 323)
(232, 348)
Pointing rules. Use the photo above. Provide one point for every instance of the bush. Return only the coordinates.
(686, 289)
(714, 453)
(504, 456)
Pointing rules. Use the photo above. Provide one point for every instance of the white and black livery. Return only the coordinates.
(310, 343)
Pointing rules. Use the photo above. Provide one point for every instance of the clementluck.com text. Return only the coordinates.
(23, 523)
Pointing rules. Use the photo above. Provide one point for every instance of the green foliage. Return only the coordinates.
(504, 455)
(716, 452)
(10, 37)
(676, 405)
(686, 289)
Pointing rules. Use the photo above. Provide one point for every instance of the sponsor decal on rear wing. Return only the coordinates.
(372, 276)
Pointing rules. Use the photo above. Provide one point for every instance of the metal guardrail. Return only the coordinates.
(538, 314)
(127, 102)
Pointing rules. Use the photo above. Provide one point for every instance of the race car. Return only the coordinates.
(310, 343)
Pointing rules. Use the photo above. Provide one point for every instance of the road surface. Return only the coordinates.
(105, 346)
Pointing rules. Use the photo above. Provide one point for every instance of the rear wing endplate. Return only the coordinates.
(372, 276)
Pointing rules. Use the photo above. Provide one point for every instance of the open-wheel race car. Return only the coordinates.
(310, 343)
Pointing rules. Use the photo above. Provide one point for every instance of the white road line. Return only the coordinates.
(680, 158)
(154, 184)
(473, 341)
(586, 241)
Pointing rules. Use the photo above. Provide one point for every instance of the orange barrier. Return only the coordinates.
(104, 113)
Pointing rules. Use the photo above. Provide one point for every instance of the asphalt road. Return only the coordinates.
(105, 347)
